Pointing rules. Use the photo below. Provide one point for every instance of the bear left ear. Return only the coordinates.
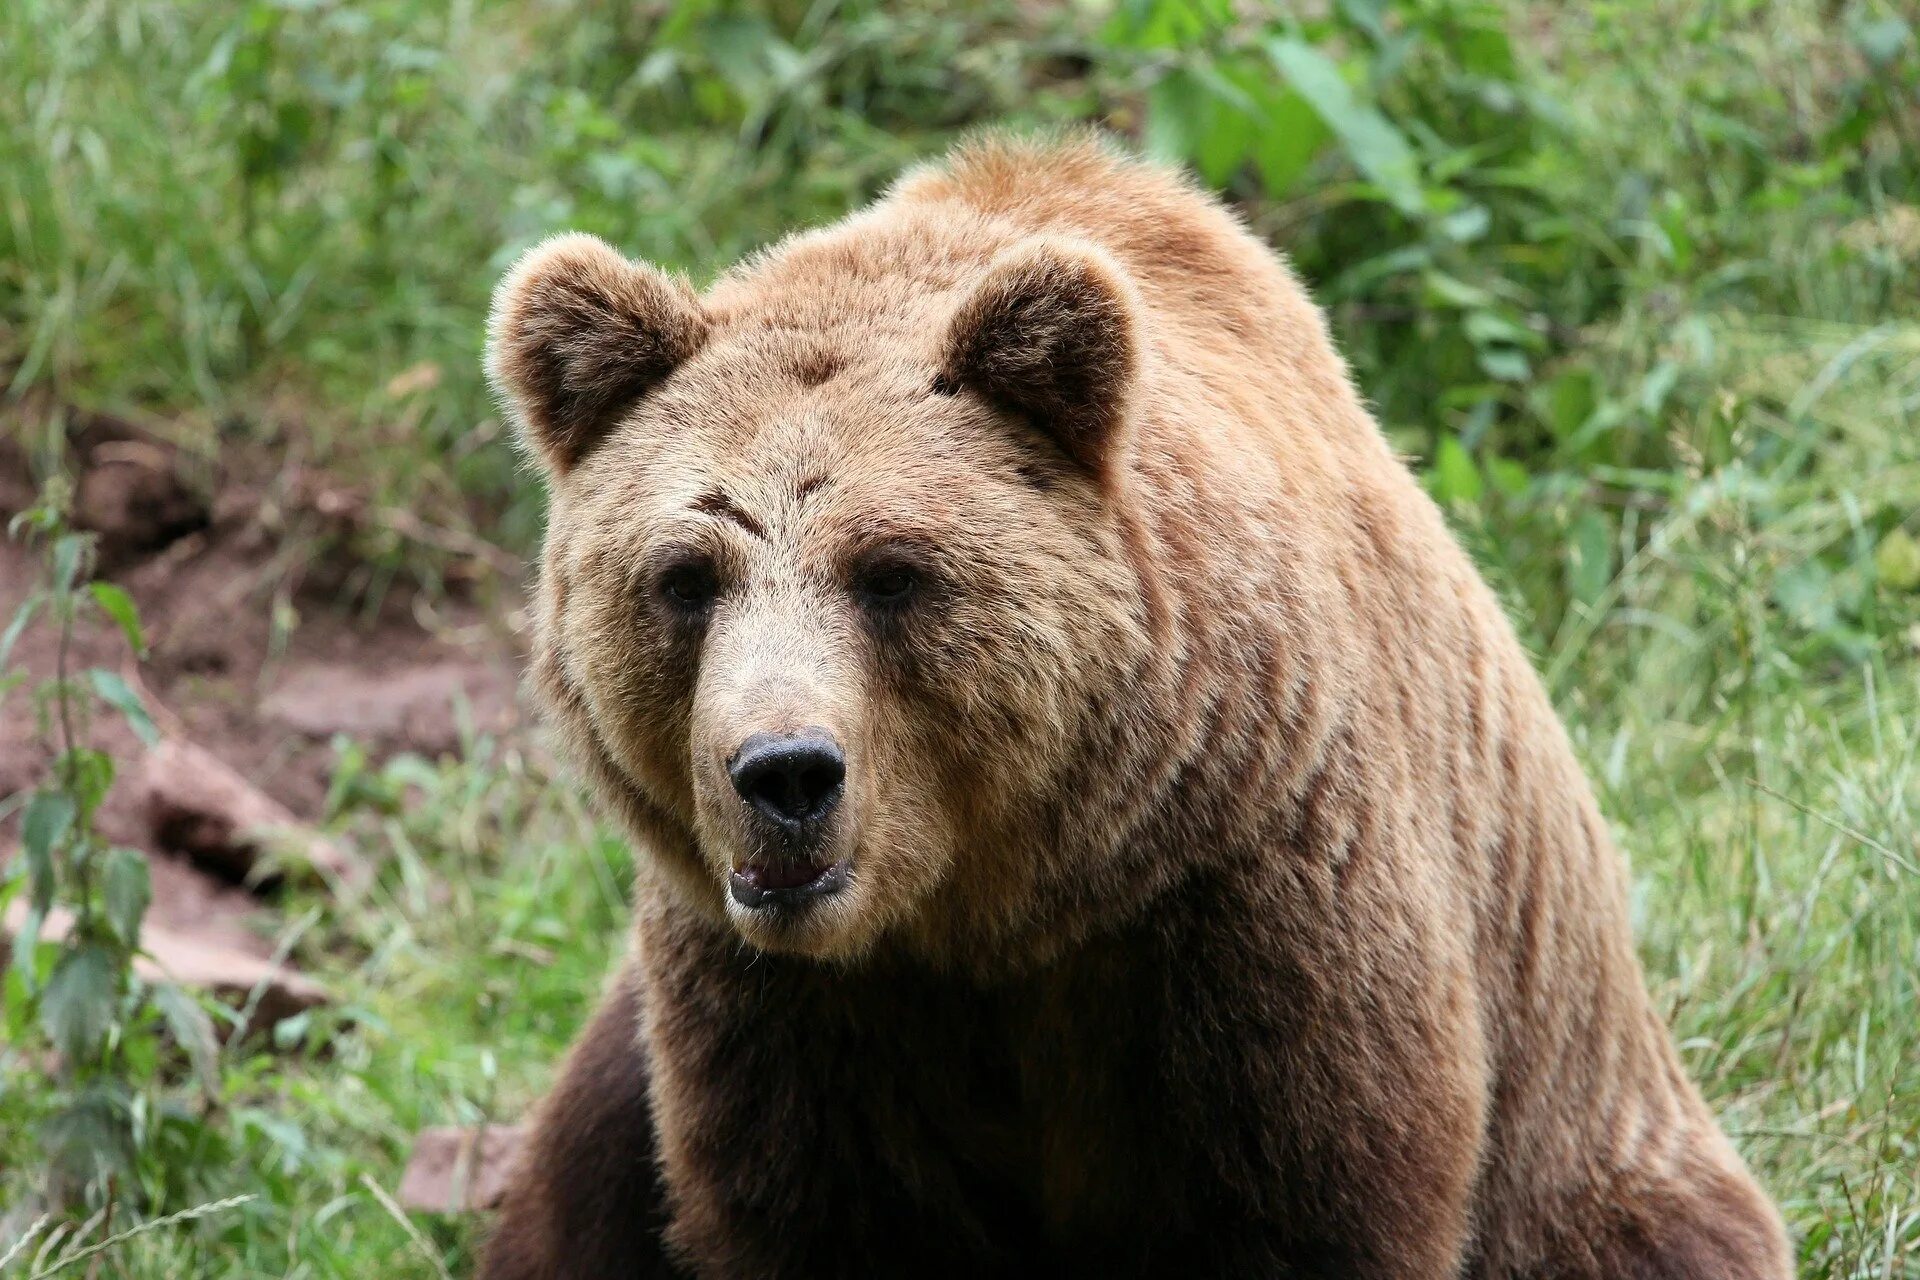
(1052, 334)
(579, 335)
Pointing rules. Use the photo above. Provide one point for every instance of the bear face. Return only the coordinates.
(829, 595)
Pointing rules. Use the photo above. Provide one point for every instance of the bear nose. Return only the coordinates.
(793, 780)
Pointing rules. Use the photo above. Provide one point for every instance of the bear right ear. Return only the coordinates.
(1053, 334)
(578, 335)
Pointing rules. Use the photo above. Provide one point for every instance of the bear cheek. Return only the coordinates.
(637, 683)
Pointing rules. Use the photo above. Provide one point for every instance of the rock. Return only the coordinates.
(198, 805)
(411, 708)
(221, 969)
(458, 1170)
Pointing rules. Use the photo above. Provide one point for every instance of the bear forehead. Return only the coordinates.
(884, 273)
(746, 425)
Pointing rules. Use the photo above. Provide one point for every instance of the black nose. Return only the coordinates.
(793, 780)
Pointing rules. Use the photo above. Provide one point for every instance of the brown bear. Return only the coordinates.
(1095, 820)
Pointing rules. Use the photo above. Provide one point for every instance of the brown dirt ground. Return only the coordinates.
(263, 644)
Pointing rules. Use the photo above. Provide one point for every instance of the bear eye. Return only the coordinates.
(886, 586)
(690, 586)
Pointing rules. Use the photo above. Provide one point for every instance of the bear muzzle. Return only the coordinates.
(791, 786)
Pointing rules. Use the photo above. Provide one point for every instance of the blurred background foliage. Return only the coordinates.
(1631, 283)
(1537, 229)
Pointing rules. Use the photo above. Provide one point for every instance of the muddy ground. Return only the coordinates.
(268, 637)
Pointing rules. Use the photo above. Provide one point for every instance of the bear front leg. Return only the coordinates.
(586, 1202)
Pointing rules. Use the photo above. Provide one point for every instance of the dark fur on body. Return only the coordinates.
(1226, 898)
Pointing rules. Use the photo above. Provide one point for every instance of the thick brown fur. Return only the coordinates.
(1225, 898)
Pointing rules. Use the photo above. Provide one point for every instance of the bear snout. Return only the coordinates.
(791, 782)
(790, 785)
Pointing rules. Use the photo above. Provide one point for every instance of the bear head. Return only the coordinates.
(835, 570)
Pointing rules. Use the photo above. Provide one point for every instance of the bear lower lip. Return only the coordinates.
(781, 884)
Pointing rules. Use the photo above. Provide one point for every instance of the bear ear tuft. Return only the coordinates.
(578, 335)
(1052, 333)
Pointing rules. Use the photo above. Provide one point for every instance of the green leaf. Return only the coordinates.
(78, 1005)
(21, 617)
(26, 940)
(89, 774)
(1567, 403)
(48, 819)
(1483, 47)
(1376, 148)
(68, 553)
(1501, 328)
(126, 888)
(1589, 557)
(1896, 562)
(114, 692)
(1231, 125)
(91, 1139)
(1504, 363)
(1177, 113)
(1451, 291)
(1289, 134)
(192, 1030)
(1454, 477)
(119, 606)
(1508, 476)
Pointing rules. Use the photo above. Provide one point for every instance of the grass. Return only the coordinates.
(253, 224)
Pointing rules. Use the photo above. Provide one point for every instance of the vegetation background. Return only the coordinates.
(1633, 283)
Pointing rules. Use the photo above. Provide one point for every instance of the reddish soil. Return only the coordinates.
(265, 644)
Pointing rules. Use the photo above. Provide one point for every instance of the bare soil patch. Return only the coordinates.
(267, 639)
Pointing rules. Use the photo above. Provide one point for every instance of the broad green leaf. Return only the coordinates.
(1568, 401)
(89, 773)
(119, 606)
(126, 888)
(192, 1030)
(114, 692)
(1230, 126)
(1508, 476)
(91, 1139)
(78, 1005)
(1289, 134)
(1376, 148)
(48, 819)
(1481, 44)
(1454, 477)
(1177, 115)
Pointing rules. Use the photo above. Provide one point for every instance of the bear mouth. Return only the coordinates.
(769, 885)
